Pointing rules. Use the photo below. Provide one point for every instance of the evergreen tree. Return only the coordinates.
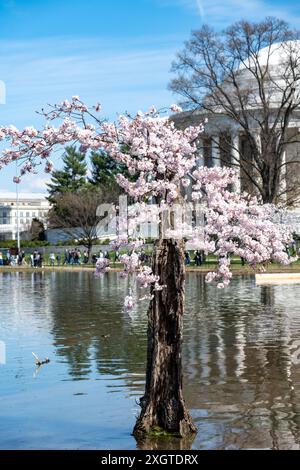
(103, 169)
(72, 178)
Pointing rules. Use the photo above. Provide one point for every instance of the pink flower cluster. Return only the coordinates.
(155, 151)
(162, 160)
(236, 224)
(146, 278)
(129, 302)
(32, 146)
(102, 266)
(131, 262)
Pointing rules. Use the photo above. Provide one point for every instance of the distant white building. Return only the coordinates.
(224, 141)
(30, 206)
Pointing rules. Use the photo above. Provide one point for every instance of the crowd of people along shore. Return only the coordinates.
(77, 257)
(69, 257)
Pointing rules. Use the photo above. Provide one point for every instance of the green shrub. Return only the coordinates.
(23, 243)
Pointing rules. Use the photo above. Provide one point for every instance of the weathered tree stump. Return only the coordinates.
(162, 406)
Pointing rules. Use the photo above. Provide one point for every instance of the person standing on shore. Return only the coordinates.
(40, 260)
(117, 256)
(52, 259)
(1, 258)
(198, 258)
(35, 259)
(85, 257)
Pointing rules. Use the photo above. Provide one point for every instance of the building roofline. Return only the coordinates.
(7, 195)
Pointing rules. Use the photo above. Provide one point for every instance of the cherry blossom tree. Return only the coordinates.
(169, 188)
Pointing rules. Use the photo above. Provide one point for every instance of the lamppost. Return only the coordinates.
(17, 211)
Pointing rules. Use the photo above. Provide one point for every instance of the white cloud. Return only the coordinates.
(188, 4)
(120, 75)
(227, 11)
(200, 8)
(221, 13)
(35, 183)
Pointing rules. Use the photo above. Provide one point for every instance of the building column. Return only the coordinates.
(215, 151)
(200, 152)
(257, 139)
(283, 182)
(235, 159)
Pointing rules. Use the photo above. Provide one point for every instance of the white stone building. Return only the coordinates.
(29, 206)
(224, 143)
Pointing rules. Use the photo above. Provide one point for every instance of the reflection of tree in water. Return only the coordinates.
(240, 380)
(166, 443)
(88, 325)
(25, 289)
(238, 367)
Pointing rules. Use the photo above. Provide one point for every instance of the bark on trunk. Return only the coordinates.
(162, 404)
(89, 250)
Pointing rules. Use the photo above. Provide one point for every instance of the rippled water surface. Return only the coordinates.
(241, 363)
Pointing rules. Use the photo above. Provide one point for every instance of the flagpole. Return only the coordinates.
(17, 208)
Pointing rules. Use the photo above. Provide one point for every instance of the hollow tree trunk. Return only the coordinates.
(89, 250)
(162, 404)
(268, 190)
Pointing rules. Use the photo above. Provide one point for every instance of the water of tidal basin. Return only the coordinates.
(241, 363)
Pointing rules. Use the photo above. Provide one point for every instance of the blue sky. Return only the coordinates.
(118, 52)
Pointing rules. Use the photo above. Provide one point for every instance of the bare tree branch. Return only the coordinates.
(249, 73)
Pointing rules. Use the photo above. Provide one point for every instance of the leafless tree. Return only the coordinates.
(76, 214)
(37, 230)
(249, 74)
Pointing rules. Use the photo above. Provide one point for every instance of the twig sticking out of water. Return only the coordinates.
(39, 362)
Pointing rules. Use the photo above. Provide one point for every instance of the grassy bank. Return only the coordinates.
(209, 265)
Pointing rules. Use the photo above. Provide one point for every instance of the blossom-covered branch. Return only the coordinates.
(162, 162)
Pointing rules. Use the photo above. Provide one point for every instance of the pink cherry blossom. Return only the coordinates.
(129, 302)
(163, 161)
(102, 266)
(175, 108)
